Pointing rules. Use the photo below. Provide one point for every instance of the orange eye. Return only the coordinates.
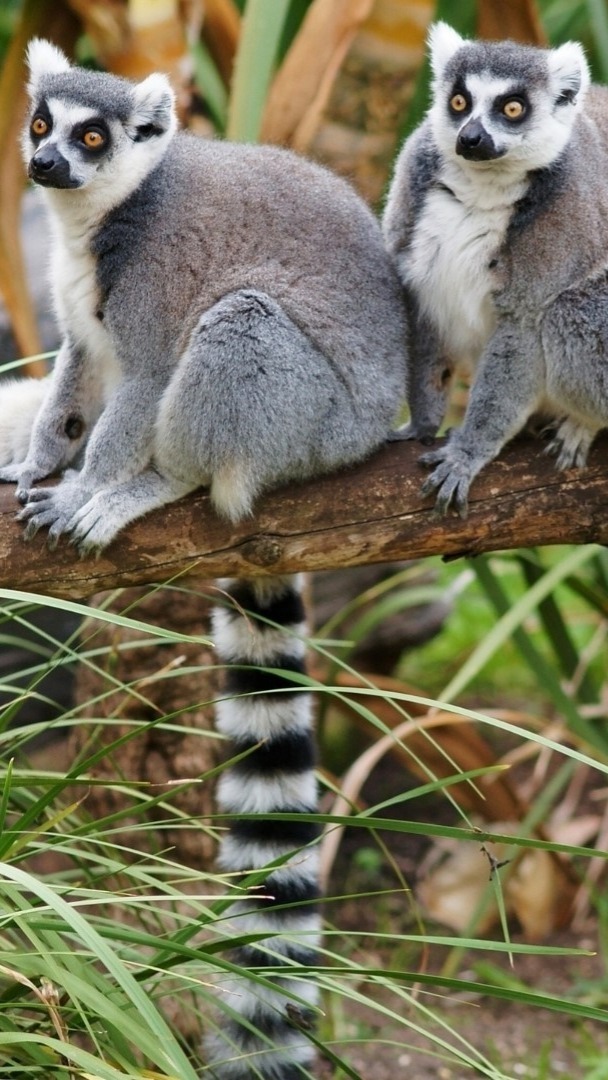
(39, 126)
(458, 103)
(513, 109)
(93, 139)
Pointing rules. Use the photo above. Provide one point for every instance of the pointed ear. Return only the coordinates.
(444, 42)
(568, 73)
(44, 58)
(153, 107)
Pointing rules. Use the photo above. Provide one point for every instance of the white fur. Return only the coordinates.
(76, 297)
(447, 264)
(147, 95)
(76, 212)
(20, 400)
(243, 640)
(44, 58)
(569, 70)
(444, 42)
(108, 185)
(245, 856)
(302, 925)
(255, 718)
(265, 795)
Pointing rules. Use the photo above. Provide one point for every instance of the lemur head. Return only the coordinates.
(500, 105)
(89, 130)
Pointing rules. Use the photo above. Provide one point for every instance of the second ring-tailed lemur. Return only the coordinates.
(231, 319)
(497, 217)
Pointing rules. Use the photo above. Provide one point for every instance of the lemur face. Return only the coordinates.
(503, 106)
(69, 144)
(88, 129)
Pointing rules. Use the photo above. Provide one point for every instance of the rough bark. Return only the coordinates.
(369, 514)
(178, 681)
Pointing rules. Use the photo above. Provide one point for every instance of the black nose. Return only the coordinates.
(49, 168)
(476, 144)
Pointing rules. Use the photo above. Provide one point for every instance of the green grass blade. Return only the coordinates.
(101, 615)
(163, 1047)
(210, 84)
(261, 30)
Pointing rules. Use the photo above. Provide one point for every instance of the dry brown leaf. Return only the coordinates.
(518, 20)
(540, 894)
(221, 29)
(537, 887)
(105, 21)
(302, 85)
(153, 38)
(456, 745)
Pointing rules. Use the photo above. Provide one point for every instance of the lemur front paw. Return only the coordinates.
(54, 508)
(450, 480)
(94, 526)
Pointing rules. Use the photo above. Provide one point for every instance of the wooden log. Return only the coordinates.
(369, 514)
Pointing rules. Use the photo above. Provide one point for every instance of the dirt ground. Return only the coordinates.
(520, 1040)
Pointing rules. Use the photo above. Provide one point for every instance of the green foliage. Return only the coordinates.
(84, 988)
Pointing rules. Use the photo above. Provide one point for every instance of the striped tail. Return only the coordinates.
(262, 1031)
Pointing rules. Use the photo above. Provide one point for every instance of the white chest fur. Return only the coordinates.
(77, 300)
(456, 238)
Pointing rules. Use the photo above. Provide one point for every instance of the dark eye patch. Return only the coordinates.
(459, 90)
(41, 112)
(519, 95)
(94, 124)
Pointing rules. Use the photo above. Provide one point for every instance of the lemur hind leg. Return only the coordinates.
(254, 403)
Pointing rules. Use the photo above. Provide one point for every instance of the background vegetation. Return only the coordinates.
(463, 781)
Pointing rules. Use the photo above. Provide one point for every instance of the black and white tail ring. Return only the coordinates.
(267, 716)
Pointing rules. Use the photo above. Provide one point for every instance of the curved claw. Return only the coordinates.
(38, 495)
(434, 457)
(31, 529)
(450, 482)
(55, 532)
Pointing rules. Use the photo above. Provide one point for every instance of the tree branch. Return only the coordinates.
(369, 514)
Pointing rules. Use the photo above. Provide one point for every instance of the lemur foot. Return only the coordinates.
(22, 476)
(570, 445)
(54, 508)
(450, 480)
(411, 431)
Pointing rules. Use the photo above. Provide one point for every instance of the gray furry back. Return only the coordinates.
(260, 218)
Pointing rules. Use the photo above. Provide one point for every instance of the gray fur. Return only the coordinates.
(231, 319)
(546, 277)
(253, 323)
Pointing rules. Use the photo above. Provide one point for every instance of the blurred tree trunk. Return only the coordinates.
(518, 20)
(159, 757)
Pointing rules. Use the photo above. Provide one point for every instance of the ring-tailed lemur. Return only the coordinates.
(497, 217)
(231, 318)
